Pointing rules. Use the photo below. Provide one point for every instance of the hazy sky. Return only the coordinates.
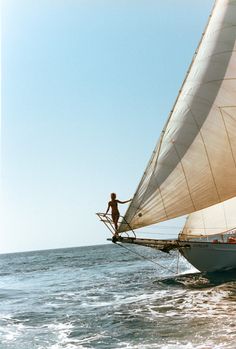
(86, 88)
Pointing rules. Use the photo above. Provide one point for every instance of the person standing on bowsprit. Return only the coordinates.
(115, 214)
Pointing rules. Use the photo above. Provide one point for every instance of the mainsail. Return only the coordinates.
(194, 163)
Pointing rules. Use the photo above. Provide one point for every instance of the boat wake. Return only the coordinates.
(199, 280)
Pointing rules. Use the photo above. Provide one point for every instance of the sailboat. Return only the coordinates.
(192, 170)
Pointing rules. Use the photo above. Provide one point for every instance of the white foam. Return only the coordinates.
(176, 345)
(65, 343)
(11, 332)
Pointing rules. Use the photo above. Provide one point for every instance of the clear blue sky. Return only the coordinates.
(86, 88)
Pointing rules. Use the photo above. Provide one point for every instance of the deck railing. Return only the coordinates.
(106, 219)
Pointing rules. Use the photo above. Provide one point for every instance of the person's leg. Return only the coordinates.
(115, 221)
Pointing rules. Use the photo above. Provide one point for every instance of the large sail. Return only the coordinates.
(194, 163)
(212, 220)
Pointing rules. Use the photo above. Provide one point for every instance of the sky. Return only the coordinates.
(86, 88)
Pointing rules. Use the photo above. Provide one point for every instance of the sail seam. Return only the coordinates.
(163, 201)
(205, 83)
(227, 133)
(222, 52)
(224, 79)
(158, 153)
(227, 106)
(180, 160)
(215, 54)
(156, 160)
(203, 99)
(208, 159)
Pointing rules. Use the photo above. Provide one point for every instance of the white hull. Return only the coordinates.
(210, 257)
(205, 256)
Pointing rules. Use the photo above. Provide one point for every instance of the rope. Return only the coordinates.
(177, 269)
(148, 259)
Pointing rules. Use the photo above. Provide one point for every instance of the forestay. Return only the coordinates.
(194, 163)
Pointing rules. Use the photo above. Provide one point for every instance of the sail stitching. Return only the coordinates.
(163, 202)
(161, 141)
(205, 83)
(227, 106)
(182, 166)
(207, 155)
(220, 53)
(227, 133)
(215, 54)
(218, 80)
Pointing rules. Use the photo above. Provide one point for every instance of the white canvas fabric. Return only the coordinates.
(215, 219)
(194, 163)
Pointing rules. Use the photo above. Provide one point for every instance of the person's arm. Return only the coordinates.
(108, 207)
(124, 202)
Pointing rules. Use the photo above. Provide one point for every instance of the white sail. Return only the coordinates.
(194, 163)
(215, 219)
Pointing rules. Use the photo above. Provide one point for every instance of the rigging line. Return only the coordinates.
(221, 109)
(184, 173)
(225, 216)
(203, 220)
(206, 152)
(169, 228)
(177, 267)
(148, 259)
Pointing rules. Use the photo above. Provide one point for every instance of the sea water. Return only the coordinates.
(110, 297)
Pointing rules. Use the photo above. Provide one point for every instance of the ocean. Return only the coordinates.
(110, 297)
